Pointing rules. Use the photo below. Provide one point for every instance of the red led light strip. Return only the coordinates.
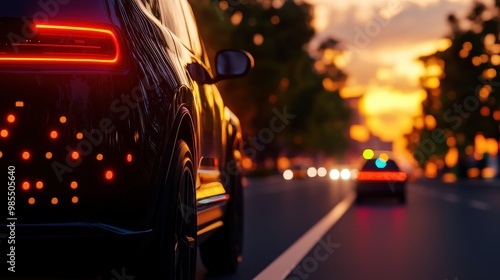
(55, 58)
(381, 176)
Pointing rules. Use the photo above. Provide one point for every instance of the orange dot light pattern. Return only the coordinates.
(54, 134)
(11, 118)
(25, 186)
(75, 155)
(4, 133)
(26, 155)
(109, 175)
(39, 185)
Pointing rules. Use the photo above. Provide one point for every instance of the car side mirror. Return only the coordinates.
(232, 64)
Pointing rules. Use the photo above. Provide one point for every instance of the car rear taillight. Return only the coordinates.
(381, 176)
(64, 44)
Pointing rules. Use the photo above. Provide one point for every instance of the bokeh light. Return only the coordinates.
(335, 174)
(322, 172)
(368, 154)
(384, 157)
(288, 174)
(345, 174)
(312, 172)
(380, 163)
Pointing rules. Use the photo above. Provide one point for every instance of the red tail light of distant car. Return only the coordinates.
(381, 176)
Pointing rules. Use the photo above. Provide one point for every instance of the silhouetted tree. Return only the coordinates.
(465, 103)
(284, 75)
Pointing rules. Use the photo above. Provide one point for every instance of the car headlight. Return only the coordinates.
(288, 174)
(322, 172)
(345, 174)
(312, 172)
(334, 174)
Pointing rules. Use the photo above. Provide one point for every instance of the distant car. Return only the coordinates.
(121, 154)
(378, 177)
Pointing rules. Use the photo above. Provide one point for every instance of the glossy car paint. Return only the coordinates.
(89, 141)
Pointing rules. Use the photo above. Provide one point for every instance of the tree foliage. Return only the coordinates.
(283, 77)
(464, 103)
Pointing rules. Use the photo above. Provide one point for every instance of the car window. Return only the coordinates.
(173, 18)
(192, 28)
(371, 165)
(177, 16)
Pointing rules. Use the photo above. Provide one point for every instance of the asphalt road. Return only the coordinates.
(444, 231)
(311, 229)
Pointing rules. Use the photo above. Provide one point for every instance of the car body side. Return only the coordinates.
(114, 126)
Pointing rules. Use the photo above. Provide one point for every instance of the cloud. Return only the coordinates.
(412, 31)
(385, 39)
(412, 24)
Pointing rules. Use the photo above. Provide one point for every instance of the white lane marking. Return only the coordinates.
(289, 259)
(453, 198)
(477, 204)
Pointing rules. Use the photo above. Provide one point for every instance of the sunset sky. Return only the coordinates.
(383, 39)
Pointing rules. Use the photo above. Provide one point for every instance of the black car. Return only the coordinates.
(381, 177)
(118, 153)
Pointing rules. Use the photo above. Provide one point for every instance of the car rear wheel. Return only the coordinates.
(173, 251)
(221, 253)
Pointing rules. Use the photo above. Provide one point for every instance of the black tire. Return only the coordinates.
(173, 251)
(222, 252)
